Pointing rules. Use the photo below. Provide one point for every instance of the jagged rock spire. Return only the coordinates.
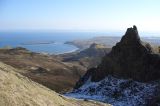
(131, 36)
(129, 58)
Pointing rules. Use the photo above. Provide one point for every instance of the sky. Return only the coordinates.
(79, 15)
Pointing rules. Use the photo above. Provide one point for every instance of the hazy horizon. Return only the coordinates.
(79, 15)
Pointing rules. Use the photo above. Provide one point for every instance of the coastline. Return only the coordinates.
(74, 44)
(53, 53)
(71, 51)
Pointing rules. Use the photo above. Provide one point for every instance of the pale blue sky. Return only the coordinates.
(79, 15)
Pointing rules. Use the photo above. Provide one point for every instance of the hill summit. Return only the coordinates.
(130, 58)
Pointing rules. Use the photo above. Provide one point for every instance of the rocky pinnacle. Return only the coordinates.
(129, 58)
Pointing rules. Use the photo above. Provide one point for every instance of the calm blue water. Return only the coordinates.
(15, 39)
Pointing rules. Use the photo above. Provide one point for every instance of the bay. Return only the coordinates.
(18, 39)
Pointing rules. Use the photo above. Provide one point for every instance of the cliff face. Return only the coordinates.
(130, 58)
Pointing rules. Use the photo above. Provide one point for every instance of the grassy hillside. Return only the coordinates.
(45, 69)
(17, 90)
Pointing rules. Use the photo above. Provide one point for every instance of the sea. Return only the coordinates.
(28, 40)
(42, 42)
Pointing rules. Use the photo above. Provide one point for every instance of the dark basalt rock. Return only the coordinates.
(130, 58)
(84, 78)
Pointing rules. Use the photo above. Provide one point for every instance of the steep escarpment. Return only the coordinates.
(128, 76)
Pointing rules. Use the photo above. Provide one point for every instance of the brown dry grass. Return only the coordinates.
(17, 90)
(59, 77)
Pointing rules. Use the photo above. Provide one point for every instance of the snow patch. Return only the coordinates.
(118, 92)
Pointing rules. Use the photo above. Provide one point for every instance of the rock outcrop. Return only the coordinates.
(130, 58)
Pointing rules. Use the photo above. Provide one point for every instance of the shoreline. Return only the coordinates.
(73, 44)
(24, 45)
(71, 51)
